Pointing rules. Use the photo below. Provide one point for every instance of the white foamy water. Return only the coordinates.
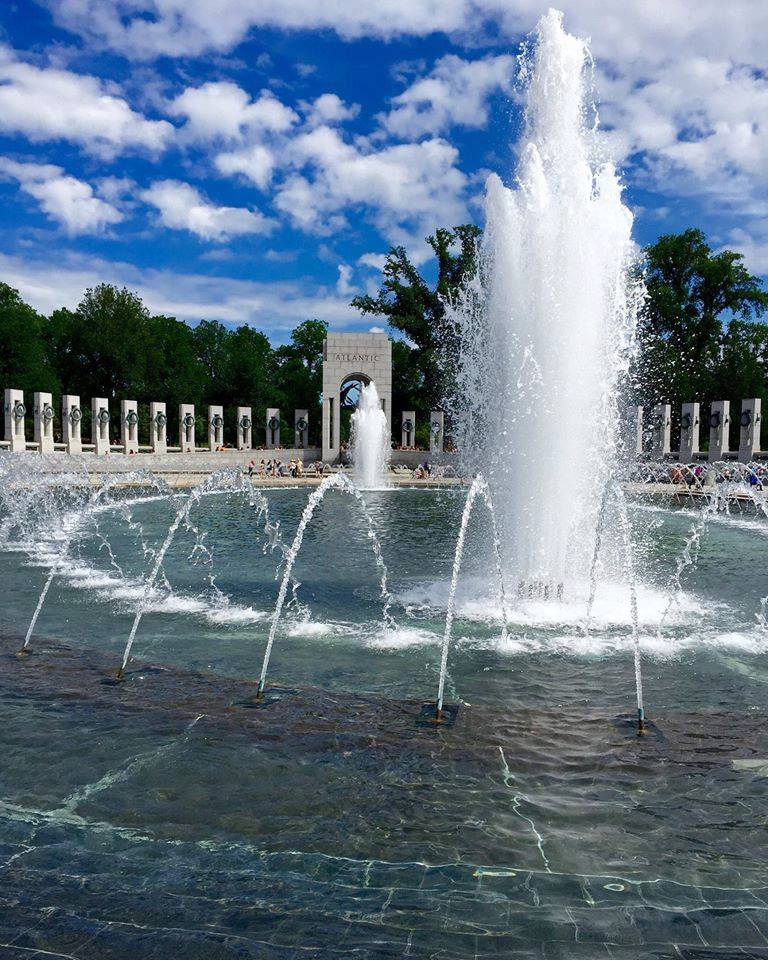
(370, 445)
(545, 331)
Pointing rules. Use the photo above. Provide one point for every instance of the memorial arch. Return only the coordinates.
(351, 359)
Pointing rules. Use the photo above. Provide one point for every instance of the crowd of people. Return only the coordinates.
(276, 468)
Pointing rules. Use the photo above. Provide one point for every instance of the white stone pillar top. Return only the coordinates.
(273, 427)
(436, 431)
(158, 427)
(408, 424)
(15, 426)
(215, 426)
(662, 427)
(690, 422)
(100, 418)
(244, 428)
(44, 422)
(129, 426)
(636, 431)
(301, 428)
(71, 423)
(719, 426)
(750, 423)
(187, 427)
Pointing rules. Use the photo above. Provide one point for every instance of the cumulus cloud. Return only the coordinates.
(455, 93)
(344, 285)
(182, 207)
(698, 125)
(405, 184)
(148, 28)
(255, 163)
(223, 110)
(65, 199)
(329, 108)
(53, 104)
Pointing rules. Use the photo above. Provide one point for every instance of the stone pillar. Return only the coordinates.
(273, 427)
(244, 428)
(44, 422)
(636, 432)
(719, 418)
(187, 427)
(749, 429)
(15, 411)
(129, 426)
(100, 425)
(408, 429)
(662, 425)
(301, 429)
(158, 427)
(215, 426)
(689, 432)
(71, 423)
(436, 431)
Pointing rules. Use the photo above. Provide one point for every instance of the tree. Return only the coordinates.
(101, 348)
(300, 374)
(22, 356)
(417, 310)
(692, 295)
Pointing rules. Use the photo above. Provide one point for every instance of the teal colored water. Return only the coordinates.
(165, 818)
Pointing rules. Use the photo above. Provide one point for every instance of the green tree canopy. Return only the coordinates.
(693, 293)
(23, 363)
(416, 308)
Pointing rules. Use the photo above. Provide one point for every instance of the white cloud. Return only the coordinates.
(223, 110)
(683, 82)
(753, 245)
(148, 28)
(182, 207)
(455, 93)
(256, 163)
(276, 308)
(328, 108)
(344, 285)
(375, 261)
(65, 199)
(53, 104)
(416, 185)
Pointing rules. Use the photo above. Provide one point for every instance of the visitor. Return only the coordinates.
(251, 465)
(299, 468)
(262, 469)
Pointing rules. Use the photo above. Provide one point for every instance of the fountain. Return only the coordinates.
(370, 447)
(352, 824)
(546, 328)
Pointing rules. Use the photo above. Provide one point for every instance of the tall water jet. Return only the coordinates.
(370, 443)
(546, 329)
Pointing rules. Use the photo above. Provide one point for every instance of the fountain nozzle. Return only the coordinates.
(22, 652)
(640, 721)
(120, 675)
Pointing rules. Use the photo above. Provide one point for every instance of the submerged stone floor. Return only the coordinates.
(165, 817)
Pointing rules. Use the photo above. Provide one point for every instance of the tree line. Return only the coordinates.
(700, 336)
(111, 346)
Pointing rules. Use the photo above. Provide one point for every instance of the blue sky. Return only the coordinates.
(252, 160)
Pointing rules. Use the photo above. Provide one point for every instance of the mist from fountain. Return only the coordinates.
(336, 481)
(546, 327)
(478, 486)
(229, 480)
(370, 446)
